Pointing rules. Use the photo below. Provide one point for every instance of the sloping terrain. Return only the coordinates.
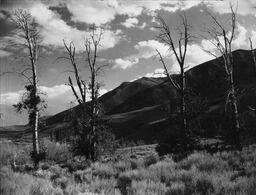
(140, 109)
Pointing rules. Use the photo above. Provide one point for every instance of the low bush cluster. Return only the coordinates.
(200, 173)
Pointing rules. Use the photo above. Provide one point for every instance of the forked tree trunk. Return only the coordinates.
(225, 48)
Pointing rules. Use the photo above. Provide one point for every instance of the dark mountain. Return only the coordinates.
(140, 109)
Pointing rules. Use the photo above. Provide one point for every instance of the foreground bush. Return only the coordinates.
(55, 151)
(23, 184)
(11, 152)
(200, 173)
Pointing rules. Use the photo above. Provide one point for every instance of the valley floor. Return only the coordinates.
(143, 172)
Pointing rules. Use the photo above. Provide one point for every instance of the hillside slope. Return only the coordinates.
(140, 109)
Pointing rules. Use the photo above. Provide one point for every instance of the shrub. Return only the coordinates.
(56, 152)
(83, 176)
(10, 152)
(149, 160)
(147, 187)
(76, 163)
(251, 186)
(44, 187)
(12, 183)
(204, 162)
(123, 183)
(162, 170)
(103, 170)
(136, 163)
(176, 188)
(81, 143)
(122, 166)
(61, 182)
(102, 186)
(204, 186)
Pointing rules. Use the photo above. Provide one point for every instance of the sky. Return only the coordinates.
(128, 45)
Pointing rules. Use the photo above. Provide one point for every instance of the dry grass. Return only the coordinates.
(200, 173)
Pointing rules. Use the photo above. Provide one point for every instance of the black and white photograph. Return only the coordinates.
(127, 97)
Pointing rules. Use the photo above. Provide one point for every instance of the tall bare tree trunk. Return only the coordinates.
(253, 54)
(33, 59)
(225, 49)
(183, 103)
(31, 36)
(235, 113)
(91, 45)
(93, 128)
(180, 51)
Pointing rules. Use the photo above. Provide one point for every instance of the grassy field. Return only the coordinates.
(131, 171)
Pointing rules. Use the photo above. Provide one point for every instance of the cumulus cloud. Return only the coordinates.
(11, 98)
(54, 30)
(244, 7)
(159, 72)
(147, 49)
(125, 63)
(102, 12)
(130, 22)
(240, 40)
(4, 43)
(91, 12)
(57, 97)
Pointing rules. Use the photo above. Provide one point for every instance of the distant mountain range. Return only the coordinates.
(140, 109)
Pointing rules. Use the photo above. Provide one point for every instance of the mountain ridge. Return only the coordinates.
(132, 107)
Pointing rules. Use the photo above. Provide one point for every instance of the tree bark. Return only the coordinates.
(183, 103)
(235, 113)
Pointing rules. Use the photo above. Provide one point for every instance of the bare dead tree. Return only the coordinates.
(253, 53)
(223, 36)
(179, 49)
(254, 63)
(71, 51)
(29, 33)
(92, 44)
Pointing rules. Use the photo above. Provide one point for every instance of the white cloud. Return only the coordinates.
(57, 96)
(4, 43)
(196, 55)
(54, 30)
(130, 22)
(159, 72)
(51, 93)
(97, 12)
(11, 98)
(102, 12)
(55, 91)
(245, 7)
(125, 63)
(253, 38)
(147, 49)
(241, 39)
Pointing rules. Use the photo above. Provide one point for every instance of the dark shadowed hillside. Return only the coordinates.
(138, 109)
